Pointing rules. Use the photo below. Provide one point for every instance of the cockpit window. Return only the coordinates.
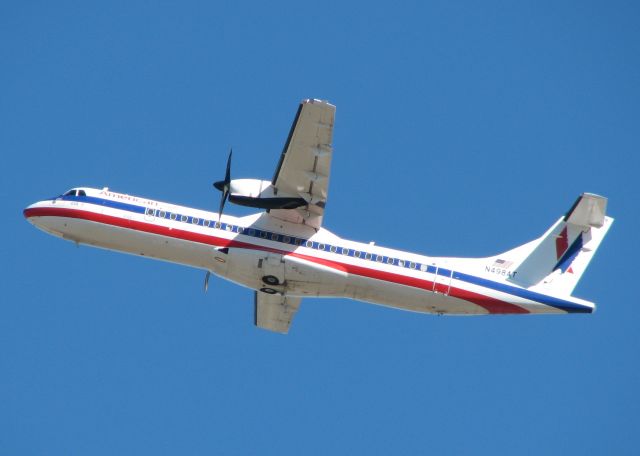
(82, 193)
(71, 192)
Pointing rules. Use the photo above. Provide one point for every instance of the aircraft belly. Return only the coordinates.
(134, 242)
(295, 277)
(410, 298)
(306, 278)
(243, 268)
(448, 305)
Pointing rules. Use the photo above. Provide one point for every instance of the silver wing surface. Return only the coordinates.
(275, 312)
(305, 163)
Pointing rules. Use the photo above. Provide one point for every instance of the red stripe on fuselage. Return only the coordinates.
(492, 305)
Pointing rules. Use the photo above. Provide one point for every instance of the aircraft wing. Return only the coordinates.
(275, 312)
(305, 162)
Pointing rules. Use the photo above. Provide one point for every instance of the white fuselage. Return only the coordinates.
(304, 262)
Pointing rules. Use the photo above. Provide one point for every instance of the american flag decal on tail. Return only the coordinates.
(502, 264)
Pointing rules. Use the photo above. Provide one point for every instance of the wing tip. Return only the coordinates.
(317, 101)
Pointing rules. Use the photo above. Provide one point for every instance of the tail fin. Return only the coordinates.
(555, 262)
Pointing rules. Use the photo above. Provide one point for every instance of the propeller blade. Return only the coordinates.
(225, 194)
(206, 281)
(225, 185)
(227, 175)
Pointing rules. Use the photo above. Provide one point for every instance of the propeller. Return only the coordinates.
(224, 185)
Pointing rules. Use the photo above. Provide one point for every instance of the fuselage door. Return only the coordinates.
(442, 280)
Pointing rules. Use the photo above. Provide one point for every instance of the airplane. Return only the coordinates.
(285, 254)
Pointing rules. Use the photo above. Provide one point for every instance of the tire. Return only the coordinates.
(268, 290)
(271, 280)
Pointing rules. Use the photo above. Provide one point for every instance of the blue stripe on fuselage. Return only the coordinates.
(106, 203)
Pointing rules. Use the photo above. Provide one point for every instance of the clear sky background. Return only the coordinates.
(462, 129)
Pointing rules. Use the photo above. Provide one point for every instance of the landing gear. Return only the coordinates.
(271, 280)
(268, 290)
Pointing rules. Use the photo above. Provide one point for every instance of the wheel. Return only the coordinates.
(271, 280)
(268, 290)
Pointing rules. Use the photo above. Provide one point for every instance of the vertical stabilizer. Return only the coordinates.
(555, 262)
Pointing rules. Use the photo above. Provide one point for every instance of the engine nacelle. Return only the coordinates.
(261, 194)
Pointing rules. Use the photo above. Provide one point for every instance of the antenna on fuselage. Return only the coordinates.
(206, 281)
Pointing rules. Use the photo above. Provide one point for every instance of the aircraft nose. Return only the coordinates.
(28, 211)
(33, 210)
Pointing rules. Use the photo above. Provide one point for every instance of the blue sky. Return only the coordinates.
(462, 129)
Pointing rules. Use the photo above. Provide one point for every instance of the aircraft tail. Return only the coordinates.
(554, 263)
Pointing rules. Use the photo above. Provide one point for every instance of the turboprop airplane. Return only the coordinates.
(285, 254)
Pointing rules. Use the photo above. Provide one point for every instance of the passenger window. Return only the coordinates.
(286, 239)
(229, 227)
(356, 254)
(173, 216)
(412, 265)
(320, 246)
(345, 251)
(149, 211)
(161, 214)
(252, 232)
(423, 267)
(183, 218)
(298, 241)
(333, 249)
(217, 225)
(309, 244)
(240, 230)
(389, 260)
(195, 220)
(264, 234)
(274, 237)
(379, 258)
(401, 263)
(367, 256)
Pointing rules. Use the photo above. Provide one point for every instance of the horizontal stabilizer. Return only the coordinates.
(589, 210)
